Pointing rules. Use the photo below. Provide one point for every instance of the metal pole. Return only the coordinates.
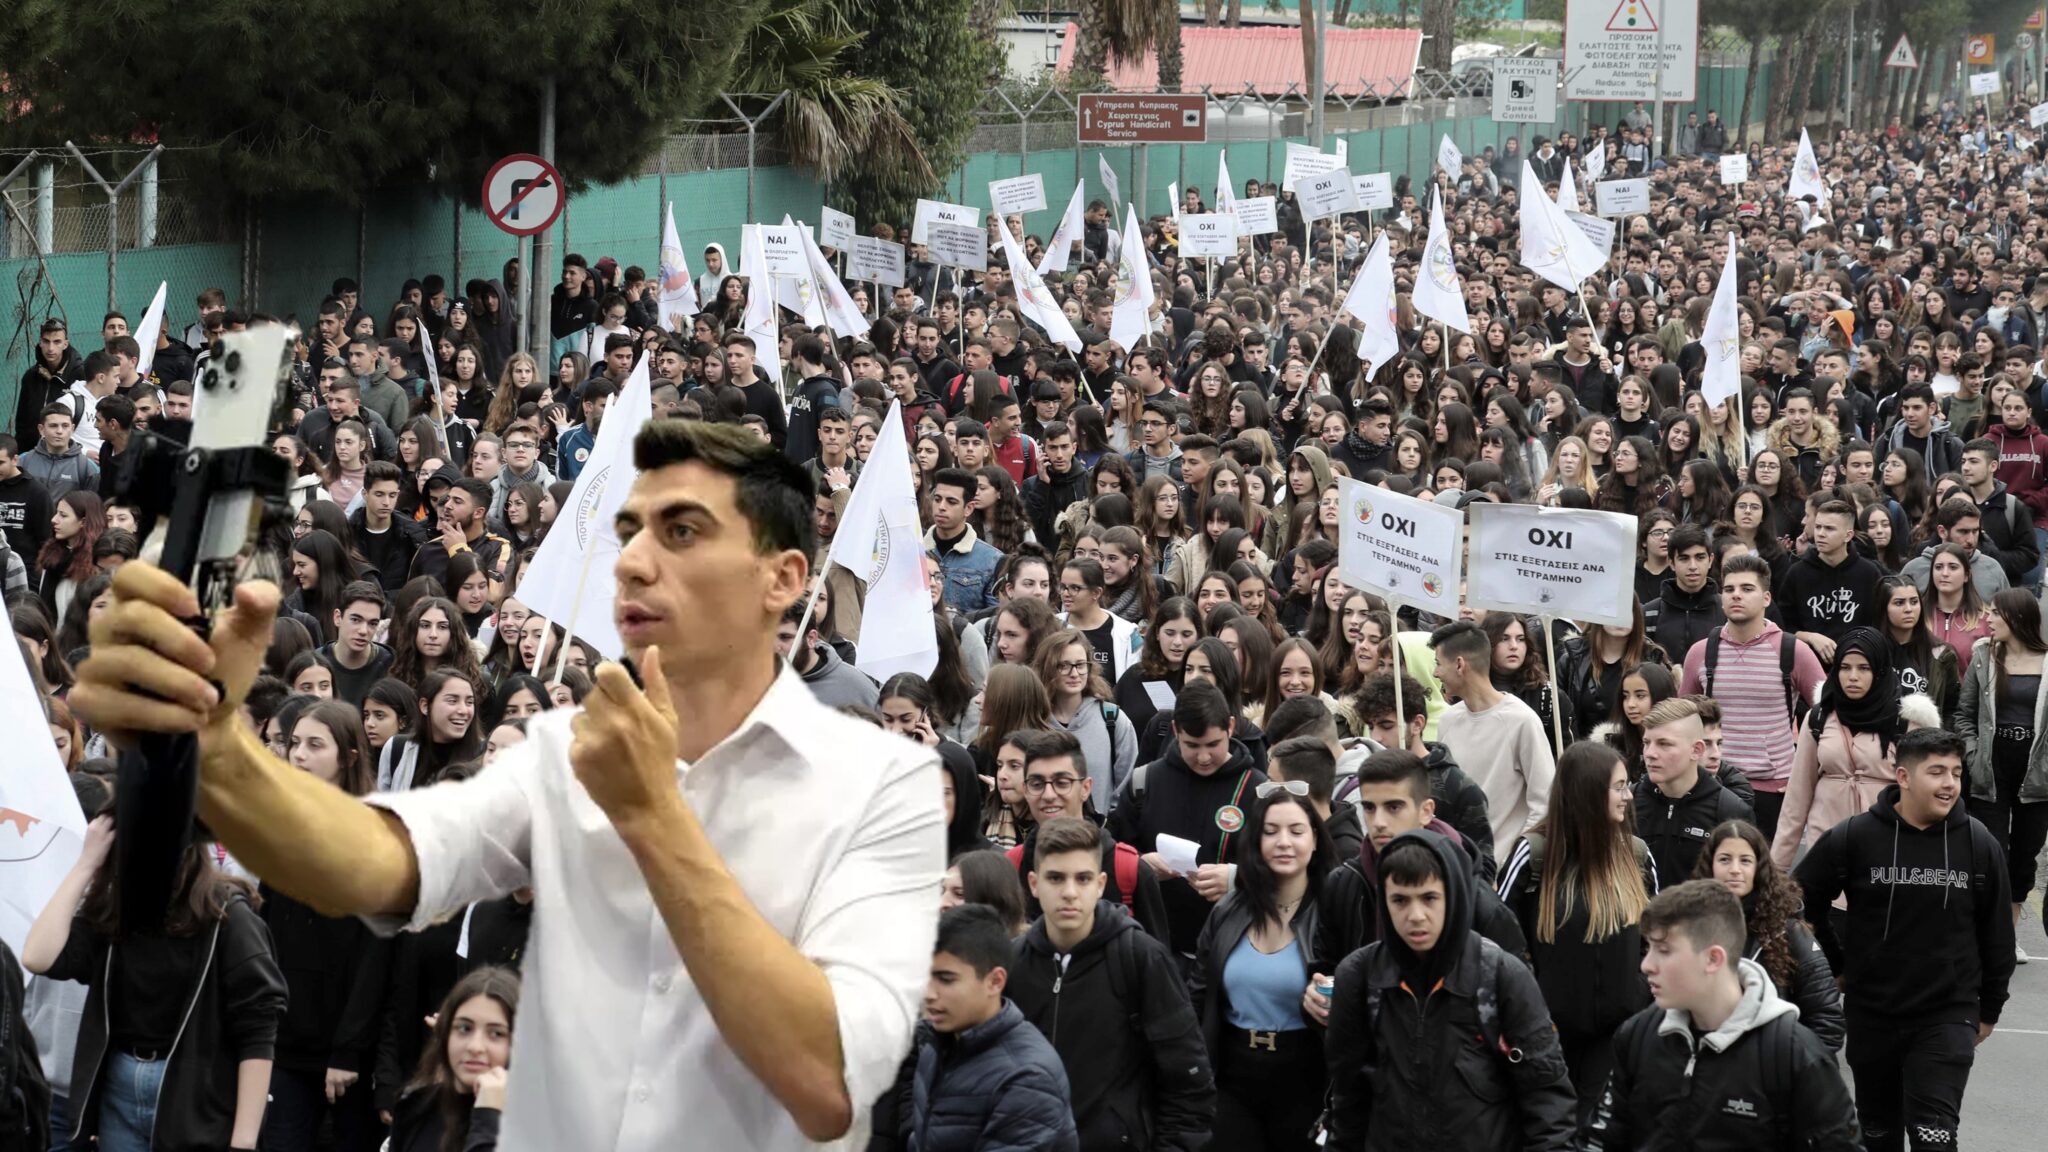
(543, 244)
(1657, 123)
(145, 219)
(455, 274)
(1317, 86)
(46, 205)
(1849, 75)
(113, 192)
(517, 291)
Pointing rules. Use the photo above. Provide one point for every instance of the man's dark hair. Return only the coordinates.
(1200, 710)
(828, 410)
(1462, 639)
(1047, 744)
(1983, 446)
(1065, 834)
(1952, 512)
(1397, 766)
(1308, 758)
(969, 429)
(116, 542)
(1844, 508)
(1687, 536)
(808, 347)
(774, 493)
(378, 471)
(478, 491)
(959, 478)
(738, 340)
(575, 259)
(975, 934)
(1411, 865)
(1376, 698)
(362, 592)
(178, 388)
(100, 363)
(1921, 744)
(9, 444)
(1748, 562)
(1704, 911)
(1922, 392)
(1300, 716)
(118, 409)
(125, 346)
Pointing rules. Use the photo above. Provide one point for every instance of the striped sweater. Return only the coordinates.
(1756, 729)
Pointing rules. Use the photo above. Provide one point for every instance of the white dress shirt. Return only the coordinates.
(834, 829)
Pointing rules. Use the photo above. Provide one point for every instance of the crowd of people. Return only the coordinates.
(1239, 856)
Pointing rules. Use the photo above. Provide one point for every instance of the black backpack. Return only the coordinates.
(1795, 704)
(24, 1094)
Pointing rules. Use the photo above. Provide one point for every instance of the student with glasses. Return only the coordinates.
(522, 466)
(1252, 960)
(1082, 706)
(1057, 783)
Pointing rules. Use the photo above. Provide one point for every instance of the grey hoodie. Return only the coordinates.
(61, 474)
(1108, 756)
(836, 683)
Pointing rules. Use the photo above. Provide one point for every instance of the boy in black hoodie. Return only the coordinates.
(1438, 1039)
(1825, 589)
(1111, 1000)
(1929, 952)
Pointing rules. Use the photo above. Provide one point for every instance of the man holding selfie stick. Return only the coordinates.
(733, 912)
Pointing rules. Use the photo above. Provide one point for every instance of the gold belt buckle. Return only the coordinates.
(1270, 1041)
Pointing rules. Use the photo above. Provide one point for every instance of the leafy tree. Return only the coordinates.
(830, 114)
(932, 53)
(343, 96)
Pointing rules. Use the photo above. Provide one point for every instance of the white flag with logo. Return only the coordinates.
(584, 524)
(842, 315)
(1449, 158)
(1060, 249)
(1596, 161)
(1806, 172)
(759, 321)
(1721, 337)
(1552, 246)
(1439, 292)
(1131, 318)
(676, 289)
(1567, 190)
(152, 328)
(1371, 299)
(799, 293)
(1034, 298)
(42, 828)
(1226, 201)
(880, 540)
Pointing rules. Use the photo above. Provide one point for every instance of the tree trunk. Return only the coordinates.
(1308, 60)
(1091, 54)
(1212, 12)
(1774, 101)
(1834, 102)
(1439, 19)
(1809, 53)
(1340, 13)
(1233, 14)
(1169, 47)
(1756, 53)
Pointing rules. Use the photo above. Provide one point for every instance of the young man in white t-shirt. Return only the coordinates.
(1496, 738)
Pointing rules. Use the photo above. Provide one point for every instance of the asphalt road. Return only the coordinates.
(2002, 1109)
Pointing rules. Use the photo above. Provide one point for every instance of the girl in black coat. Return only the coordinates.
(1737, 855)
(457, 1097)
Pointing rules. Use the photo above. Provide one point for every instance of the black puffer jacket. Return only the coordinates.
(1464, 1066)
(1812, 988)
(1590, 985)
(1592, 702)
(1117, 1012)
(1760, 1082)
(1677, 830)
(998, 1084)
(1678, 619)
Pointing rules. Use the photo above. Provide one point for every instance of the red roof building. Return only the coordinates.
(1269, 58)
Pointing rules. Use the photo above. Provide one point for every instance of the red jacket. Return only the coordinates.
(2023, 465)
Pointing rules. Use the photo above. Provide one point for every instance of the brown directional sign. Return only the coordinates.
(1144, 119)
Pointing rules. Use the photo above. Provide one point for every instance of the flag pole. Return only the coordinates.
(1556, 708)
(803, 626)
(575, 607)
(1394, 661)
(540, 649)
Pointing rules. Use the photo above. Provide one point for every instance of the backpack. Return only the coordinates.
(1487, 1001)
(1795, 705)
(1125, 860)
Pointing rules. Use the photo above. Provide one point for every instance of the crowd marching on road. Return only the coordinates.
(1175, 840)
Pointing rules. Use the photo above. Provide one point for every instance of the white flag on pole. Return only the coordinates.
(760, 321)
(1567, 190)
(1721, 336)
(42, 828)
(799, 293)
(677, 290)
(880, 541)
(1060, 249)
(1806, 172)
(1552, 246)
(1108, 175)
(842, 315)
(1034, 298)
(1596, 161)
(1439, 292)
(584, 524)
(1226, 201)
(1371, 299)
(1449, 158)
(152, 328)
(1131, 319)
(1173, 201)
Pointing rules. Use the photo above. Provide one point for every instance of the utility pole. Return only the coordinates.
(543, 244)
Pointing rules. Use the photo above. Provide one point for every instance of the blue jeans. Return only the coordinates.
(128, 1102)
(2033, 578)
(60, 1123)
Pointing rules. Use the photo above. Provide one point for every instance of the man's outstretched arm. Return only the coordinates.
(149, 672)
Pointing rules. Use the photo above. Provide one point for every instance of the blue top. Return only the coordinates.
(1265, 991)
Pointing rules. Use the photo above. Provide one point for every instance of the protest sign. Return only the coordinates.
(1400, 547)
(1573, 563)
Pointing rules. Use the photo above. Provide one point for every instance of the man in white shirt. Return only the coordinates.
(734, 885)
(1495, 737)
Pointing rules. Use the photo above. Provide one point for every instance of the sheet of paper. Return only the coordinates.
(1178, 854)
(1160, 693)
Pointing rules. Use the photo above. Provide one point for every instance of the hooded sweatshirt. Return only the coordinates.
(2023, 465)
(708, 281)
(59, 473)
(1168, 796)
(1824, 598)
(1930, 931)
(1758, 1083)
(836, 683)
(1351, 899)
(25, 510)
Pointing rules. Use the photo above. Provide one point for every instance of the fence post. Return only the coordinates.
(113, 192)
(455, 274)
(46, 205)
(753, 124)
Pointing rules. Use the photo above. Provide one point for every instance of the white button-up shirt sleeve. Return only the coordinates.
(471, 838)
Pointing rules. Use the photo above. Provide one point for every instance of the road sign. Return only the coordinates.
(1981, 49)
(2035, 20)
(2023, 41)
(1524, 90)
(523, 194)
(1170, 118)
(1612, 49)
(1902, 55)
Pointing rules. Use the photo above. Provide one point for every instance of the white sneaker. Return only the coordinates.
(2019, 953)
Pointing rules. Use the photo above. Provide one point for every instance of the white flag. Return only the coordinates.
(1034, 298)
(1721, 337)
(1226, 201)
(1371, 299)
(152, 327)
(1806, 172)
(842, 315)
(1596, 161)
(1552, 246)
(760, 320)
(799, 294)
(584, 524)
(1060, 249)
(1131, 319)
(42, 828)
(1449, 158)
(1439, 292)
(1108, 175)
(879, 540)
(1567, 191)
(676, 289)
(1173, 200)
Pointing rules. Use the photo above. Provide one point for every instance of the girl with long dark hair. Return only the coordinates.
(1635, 484)
(1956, 612)
(456, 1097)
(1252, 959)
(1780, 484)
(1922, 663)
(431, 636)
(65, 560)
(1779, 940)
(1518, 669)
(1844, 757)
(446, 734)
(1579, 883)
(2002, 717)
(320, 570)
(1645, 686)
(1172, 633)
(909, 708)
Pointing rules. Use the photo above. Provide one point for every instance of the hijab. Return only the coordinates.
(1878, 710)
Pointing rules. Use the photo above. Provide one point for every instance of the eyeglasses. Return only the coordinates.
(1271, 788)
(1061, 784)
(1074, 589)
(519, 445)
(1071, 667)
(1151, 423)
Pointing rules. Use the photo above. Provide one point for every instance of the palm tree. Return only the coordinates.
(831, 114)
(1123, 31)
